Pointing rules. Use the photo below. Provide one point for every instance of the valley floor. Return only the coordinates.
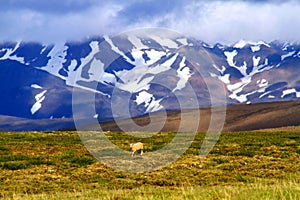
(243, 165)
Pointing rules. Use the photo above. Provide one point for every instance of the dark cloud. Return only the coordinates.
(211, 21)
(230, 21)
(52, 6)
(145, 10)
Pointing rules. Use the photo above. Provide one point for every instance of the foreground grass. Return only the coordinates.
(243, 165)
(281, 190)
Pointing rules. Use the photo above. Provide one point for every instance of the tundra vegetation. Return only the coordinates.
(243, 165)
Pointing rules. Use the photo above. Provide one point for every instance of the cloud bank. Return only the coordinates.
(210, 21)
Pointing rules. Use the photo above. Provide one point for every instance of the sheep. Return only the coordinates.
(135, 147)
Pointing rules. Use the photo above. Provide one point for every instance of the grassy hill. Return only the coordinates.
(261, 164)
(238, 118)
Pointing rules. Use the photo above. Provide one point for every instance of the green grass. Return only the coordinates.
(251, 192)
(242, 165)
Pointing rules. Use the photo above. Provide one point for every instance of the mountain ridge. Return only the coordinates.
(38, 81)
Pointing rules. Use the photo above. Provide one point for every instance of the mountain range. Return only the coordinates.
(106, 78)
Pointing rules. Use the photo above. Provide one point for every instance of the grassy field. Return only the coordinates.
(243, 165)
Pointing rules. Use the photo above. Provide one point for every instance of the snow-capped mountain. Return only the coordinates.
(260, 72)
(37, 80)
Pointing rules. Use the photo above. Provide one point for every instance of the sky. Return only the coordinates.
(211, 21)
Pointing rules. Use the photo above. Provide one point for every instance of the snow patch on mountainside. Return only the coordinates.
(95, 72)
(38, 104)
(152, 54)
(95, 116)
(230, 56)
(242, 43)
(9, 54)
(136, 42)
(184, 73)
(287, 55)
(221, 70)
(183, 41)
(290, 91)
(165, 42)
(149, 100)
(230, 60)
(236, 89)
(255, 48)
(255, 61)
(134, 81)
(56, 59)
(117, 50)
(36, 86)
(262, 83)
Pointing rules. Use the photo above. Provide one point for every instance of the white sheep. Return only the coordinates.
(136, 146)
